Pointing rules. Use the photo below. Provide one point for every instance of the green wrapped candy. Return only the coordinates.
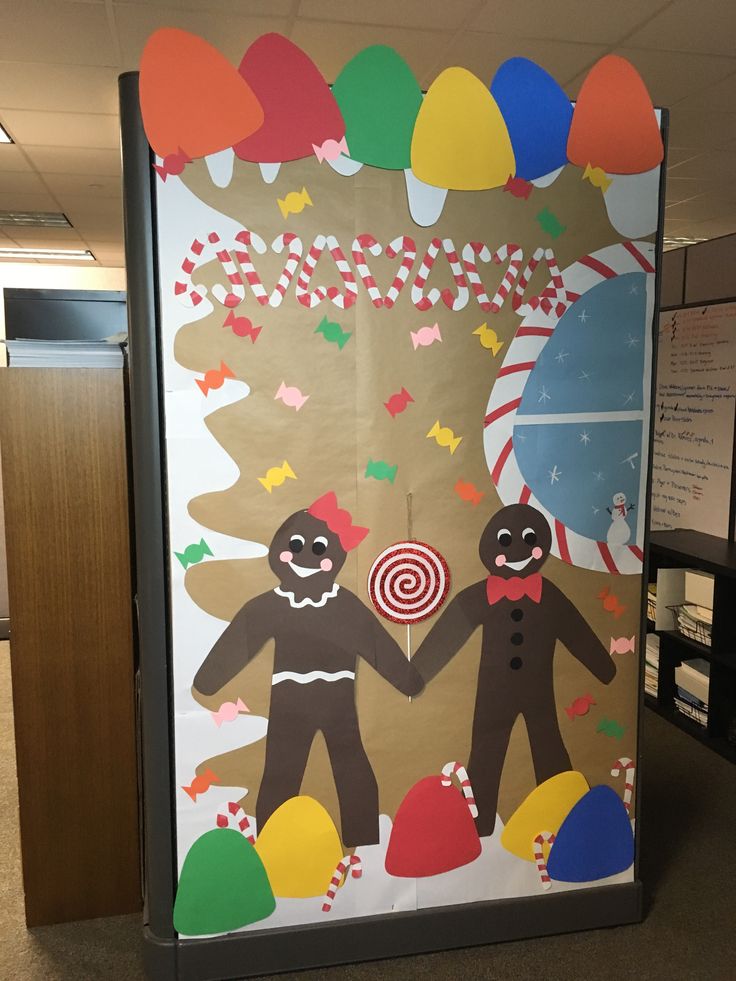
(223, 885)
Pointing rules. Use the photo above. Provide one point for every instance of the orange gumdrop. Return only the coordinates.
(192, 97)
(614, 125)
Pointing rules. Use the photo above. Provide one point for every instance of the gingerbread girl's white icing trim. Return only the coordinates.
(307, 601)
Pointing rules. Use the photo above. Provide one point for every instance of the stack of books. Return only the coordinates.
(651, 667)
(695, 622)
(692, 679)
(652, 601)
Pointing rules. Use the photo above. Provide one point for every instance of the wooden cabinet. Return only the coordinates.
(62, 437)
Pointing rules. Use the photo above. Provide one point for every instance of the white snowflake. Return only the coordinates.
(554, 474)
(634, 289)
(584, 376)
(584, 438)
(598, 474)
(629, 398)
(583, 317)
(630, 460)
(631, 341)
(562, 356)
(544, 395)
(595, 509)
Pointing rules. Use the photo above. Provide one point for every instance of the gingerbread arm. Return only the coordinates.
(578, 636)
(239, 643)
(376, 646)
(453, 628)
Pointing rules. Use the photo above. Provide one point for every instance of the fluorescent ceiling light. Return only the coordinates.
(44, 219)
(4, 137)
(76, 255)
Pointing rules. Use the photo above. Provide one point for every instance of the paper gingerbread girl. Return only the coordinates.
(320, 629)
(522, 616)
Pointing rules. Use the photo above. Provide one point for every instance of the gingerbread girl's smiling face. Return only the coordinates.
(515, 542)
(304, 552)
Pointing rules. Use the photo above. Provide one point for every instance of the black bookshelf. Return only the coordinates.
(704, 553)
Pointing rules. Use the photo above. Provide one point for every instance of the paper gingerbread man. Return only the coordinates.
(320, 630)
(522, 616)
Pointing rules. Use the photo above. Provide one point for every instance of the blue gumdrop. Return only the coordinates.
(537, 114)
(594, 841)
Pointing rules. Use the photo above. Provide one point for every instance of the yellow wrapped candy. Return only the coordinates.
(300, 848)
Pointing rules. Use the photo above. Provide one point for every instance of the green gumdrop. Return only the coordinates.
(379, 99)
(223, 885)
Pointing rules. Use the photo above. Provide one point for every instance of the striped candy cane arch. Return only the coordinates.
(615, 418)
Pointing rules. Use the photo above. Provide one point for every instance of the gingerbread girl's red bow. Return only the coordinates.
(338, 520)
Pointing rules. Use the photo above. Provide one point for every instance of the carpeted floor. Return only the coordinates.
(688, 866)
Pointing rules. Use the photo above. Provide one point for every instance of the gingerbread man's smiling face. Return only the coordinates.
(515, 542)
(304, 552)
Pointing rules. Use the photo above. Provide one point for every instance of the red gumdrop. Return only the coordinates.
(433, 831)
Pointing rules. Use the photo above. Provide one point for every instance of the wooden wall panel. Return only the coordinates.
(62, 436)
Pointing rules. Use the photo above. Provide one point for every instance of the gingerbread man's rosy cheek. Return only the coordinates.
(500, 560)
(326, 565)
(286, 556)
(537, 552)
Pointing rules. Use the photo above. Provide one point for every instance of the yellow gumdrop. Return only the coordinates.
(300, 848)
(460, 139)
(544, 809)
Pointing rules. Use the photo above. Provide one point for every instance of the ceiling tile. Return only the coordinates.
(407, 13)
(721, 96)
(42, 238)
(715, 227)
(94, 186)
(56, 33)
(672, 75)
(566, 19)
(708, 130)
(172, 8)
(483, 53)
(231, 34)
(714, 165)
(62, 128)
(330, 48)
(707, 26)
(73, 160)
(702, 207)
(100, 228)
(12, 158)
(59, 88)
(677, 155)
(14, 182)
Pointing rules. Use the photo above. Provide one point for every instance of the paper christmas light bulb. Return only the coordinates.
(433, 831)
(379, 99)
(594, 841)
(460, 138)
(193, 100)
(222, 887)
(544, 809)
(537, 114)
(614, 125)
(300, 112)
(300, 848)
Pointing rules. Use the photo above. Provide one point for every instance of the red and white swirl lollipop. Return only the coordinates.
(408, 582)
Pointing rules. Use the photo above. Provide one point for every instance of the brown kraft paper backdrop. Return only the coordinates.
(344, 423)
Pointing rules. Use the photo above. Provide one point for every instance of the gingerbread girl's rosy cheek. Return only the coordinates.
(537, 552)
(500, 560)
(325, 565)
(286, 556)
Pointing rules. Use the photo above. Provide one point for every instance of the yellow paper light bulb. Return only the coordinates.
(460, 139)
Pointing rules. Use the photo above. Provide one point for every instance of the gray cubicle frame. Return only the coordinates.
(268, 951)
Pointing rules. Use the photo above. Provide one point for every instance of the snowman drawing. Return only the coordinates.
(619, 532)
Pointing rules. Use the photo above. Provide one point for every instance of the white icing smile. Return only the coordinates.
(303, 571)
(518, 566)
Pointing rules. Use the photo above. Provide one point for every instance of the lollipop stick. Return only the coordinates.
(408, 535)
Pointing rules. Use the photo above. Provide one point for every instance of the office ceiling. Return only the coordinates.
(59, 61)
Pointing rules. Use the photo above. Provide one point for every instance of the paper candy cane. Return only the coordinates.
(183, 288)
(539, 842)
(296, 248)
(312, 298)
(422, 302)
(361, 243)
(562, 298)
(407, 246)
(463, 294)
(246, 238)
(462, 774)
(351, 862)
(243, 824)
(624, 763)
(509, 252)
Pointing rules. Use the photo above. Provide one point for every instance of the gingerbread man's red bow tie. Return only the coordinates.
(514, 588)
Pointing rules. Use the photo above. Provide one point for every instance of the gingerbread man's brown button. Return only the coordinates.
(517, 639)
(517, 614)
(515, 663)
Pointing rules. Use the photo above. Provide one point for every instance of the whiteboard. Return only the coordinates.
(694, 419)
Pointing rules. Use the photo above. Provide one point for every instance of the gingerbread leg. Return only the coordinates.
(287, 750)
(492, 727)
(548, 750)
(355, 781)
